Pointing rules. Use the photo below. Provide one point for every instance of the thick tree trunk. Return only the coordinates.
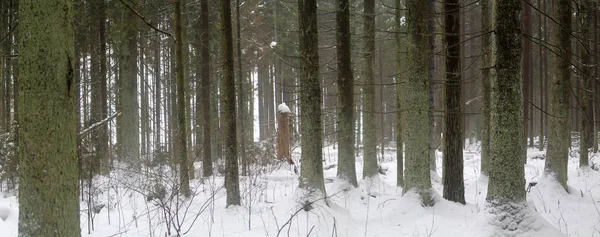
(311, 176)
(454, 187)
(417, 173)
(541, 72)
(526, 73)
(128, 124)
(48, 170)
(346, 164)
(506, 178)
(229, 113)
(559, 137)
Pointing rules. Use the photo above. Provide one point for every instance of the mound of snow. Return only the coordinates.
(282, 108)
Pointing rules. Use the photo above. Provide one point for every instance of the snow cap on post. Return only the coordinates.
(284, 109)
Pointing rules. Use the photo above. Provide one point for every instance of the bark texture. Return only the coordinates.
(346, 165)
(506, 178)
(311, 176)
(48, 172)
(559, 137)
(417, 173)
(454, 187)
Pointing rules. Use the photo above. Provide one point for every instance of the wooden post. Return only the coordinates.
(283, 133)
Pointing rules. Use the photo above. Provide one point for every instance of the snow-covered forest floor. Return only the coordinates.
(123, 206)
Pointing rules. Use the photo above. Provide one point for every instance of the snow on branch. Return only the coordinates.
(95, 125)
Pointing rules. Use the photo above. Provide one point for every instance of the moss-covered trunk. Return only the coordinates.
(559, 136)
(507, 178)
(128, 123)
(417, 102)
(48, 173)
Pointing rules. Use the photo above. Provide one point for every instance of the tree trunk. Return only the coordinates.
(542, 77)
(241, 94)
(128, 124)
(486, 77)
(311, 176)
(454, 187)
(369, 126)
(205, 74)
(48, 170)
(506, 178)
(526, 73)
(585, 86)
(181, 121)
(399, 80)
(559, 137)
(417, 174)
(229, 113)
(346, 164)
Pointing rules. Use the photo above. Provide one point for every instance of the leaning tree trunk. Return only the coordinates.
(48, 172)
(559, 137)
(454, 186)
(417, 97)
(346, 165)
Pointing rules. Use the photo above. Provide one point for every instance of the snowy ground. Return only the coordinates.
(376, 208)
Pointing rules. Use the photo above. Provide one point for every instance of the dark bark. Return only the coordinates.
(229, 113)
(311, 176)
(454, 187)
(346, 164)
(205, 68)
(184, 178)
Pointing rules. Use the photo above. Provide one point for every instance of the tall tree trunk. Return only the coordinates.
(346, 165)
(399, 106)
(486, 77)
(205, 68)
(585, 86)
(241, 93)
(433, 132)
(542, 77)
(181, 121)
(48, 146)
(369, 126)
(229, 113)
(454, 187)
(128, 124)
(526, 72)
(507, 179)
(311, 176)
(559, 137)
(417, 174)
